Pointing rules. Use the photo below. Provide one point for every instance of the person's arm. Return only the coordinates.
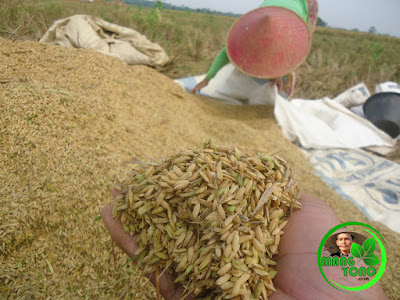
(312, 15)
(221, 60)
(312, 18)
(288, 87)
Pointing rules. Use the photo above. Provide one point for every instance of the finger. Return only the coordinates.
(123, 239)
(168, 289)
(115, 193)
(128, 244)
(196, 89)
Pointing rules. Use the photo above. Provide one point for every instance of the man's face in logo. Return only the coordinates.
(344, 241)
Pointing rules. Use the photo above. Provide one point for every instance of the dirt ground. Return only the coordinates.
(70, 119)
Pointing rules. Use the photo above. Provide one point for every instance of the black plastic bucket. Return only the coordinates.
(383, 110)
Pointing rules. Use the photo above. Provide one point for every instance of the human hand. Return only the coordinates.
(127, 243)
(200, 85)
(298, 273)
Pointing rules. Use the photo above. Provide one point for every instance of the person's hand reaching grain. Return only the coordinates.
(199, 86)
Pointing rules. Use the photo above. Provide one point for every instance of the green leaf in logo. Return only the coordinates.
(371, 259)
(369, 245)
(356, 250)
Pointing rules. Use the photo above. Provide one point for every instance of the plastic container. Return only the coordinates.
(383, 110)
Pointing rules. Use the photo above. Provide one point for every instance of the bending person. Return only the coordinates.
(269, 42)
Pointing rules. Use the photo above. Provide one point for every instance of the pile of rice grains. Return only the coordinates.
(212, 216)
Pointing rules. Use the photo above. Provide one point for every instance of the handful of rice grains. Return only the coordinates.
(212, 216)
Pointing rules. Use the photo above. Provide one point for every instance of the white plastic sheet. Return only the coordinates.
(325, 124)
(233, 87)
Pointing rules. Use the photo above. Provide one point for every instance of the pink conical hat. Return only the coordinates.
(268, 42)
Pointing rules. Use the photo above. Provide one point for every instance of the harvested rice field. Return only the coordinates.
(69, 122)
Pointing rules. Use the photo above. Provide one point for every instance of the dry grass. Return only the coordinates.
(338, 60)
(191, 39)
(70, 119)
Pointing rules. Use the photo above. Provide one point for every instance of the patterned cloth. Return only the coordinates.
(312, 14)
(371, 182)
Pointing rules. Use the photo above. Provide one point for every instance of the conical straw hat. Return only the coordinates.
(268, 42)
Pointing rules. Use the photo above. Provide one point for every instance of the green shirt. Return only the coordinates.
(221, 60)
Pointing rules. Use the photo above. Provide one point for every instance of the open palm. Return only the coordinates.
(297, 263)
(298, 274)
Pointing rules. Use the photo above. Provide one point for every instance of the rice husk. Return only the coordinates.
(211, 216)
(70, 118)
